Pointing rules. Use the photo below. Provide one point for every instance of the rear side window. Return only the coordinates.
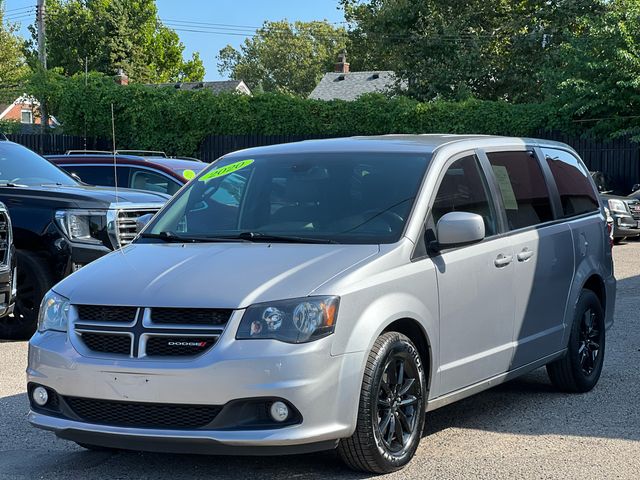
(572, 178)
(464, 189)
(142, 179)
(94, 175)
(524, 191)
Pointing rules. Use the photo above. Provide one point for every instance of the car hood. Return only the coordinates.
(83, 196)
(212, 275)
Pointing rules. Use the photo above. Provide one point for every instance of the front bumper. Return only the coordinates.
(624, 225)
(323, 388)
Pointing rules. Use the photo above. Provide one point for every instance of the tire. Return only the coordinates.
(579, 370)
(618, 240)
(33, 281)
(374, 447)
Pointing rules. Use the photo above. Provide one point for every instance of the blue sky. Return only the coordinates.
(236, 15)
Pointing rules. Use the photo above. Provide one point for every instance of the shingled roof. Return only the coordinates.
(350, 85)
(237, 86)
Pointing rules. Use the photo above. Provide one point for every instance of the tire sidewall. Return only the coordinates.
(587, 300)
(396, 344)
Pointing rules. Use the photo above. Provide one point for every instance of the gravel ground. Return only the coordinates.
(522, 429)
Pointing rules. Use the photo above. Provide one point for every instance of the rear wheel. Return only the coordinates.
(579, 371)
(391, 411)
(33, 281)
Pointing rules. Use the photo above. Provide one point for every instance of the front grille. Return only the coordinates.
(190, 316)
(147, 332)
(107, 343)
(98, 313)
(142, 415)
(634, 208)
(126, 223)
(178, 346)
(5, 238)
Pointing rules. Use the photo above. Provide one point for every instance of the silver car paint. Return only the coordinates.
(480, 321)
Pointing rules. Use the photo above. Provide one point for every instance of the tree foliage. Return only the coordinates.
(12, 62)
(455, 49)
(106, 35)
(285, 57)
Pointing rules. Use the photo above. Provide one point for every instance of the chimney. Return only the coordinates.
(342, 66)
(121, 77)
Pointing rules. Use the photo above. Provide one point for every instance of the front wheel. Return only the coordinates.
(391, 410)
(579, 370)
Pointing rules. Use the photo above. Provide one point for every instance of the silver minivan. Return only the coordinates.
(326, 294)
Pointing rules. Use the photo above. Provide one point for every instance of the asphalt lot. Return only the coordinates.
(523, 429)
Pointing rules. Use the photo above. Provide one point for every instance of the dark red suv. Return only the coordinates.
(142, 170)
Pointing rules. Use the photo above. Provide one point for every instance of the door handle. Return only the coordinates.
(525, 255)
(503, 260)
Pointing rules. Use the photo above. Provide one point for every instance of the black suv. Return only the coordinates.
(59, 225)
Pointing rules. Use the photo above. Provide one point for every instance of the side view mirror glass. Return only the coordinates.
(459, 228)
(142, 221)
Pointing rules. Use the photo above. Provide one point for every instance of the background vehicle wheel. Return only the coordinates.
(33, 281)
(618, 240)
(580, 369)
(391, 410)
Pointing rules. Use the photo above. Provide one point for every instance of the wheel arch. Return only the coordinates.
(595, 283)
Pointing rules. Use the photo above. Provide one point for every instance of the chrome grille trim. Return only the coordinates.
(6, 239)
(126, 224)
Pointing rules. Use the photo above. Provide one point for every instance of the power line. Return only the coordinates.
(32, 7)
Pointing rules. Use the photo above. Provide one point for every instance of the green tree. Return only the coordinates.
(12, 62)
(454, 49)
(285, 57)
(113, 34)
(598, 84)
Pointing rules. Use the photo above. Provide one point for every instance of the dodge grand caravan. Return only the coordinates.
(326, 294)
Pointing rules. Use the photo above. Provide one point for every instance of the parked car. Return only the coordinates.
(626, 216)
(59, 225)
(151, 171)
(326, 294)
(7, 264)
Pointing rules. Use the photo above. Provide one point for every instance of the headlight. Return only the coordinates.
(618, 206)
(293, 321)
(54, 312)
(83, 226)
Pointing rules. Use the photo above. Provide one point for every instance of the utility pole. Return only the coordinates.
(42, 56)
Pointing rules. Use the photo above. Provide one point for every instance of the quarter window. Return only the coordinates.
(524, 191)
(572, 178)
(464, 189)
(153, 182)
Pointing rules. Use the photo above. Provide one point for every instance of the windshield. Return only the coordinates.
(342, 198)
(21, 166)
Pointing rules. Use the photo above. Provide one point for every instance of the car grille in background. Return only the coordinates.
(148, 332)
(96, 313)
(190, 316)
(126, 223)
(107, 343)
(634, 208)
(142, 415)
(4, 238)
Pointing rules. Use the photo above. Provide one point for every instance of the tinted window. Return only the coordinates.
(93, 175)
(572, 178)
(22, 166)
(524, 191)
(142, 179)
(347, 198)
(464, 189)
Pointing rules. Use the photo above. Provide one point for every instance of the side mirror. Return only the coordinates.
(459, 228)
(142, 221)
(635, 188)
(76, 176)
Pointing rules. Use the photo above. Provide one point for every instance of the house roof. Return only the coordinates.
(216, 87)
(349, 86)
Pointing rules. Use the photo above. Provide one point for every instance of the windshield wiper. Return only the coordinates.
(13, 185)
(171, 237)
(266, 237)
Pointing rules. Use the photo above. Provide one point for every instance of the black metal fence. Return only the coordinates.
(619, 158)
(58, 144)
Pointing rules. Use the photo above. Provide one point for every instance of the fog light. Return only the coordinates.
(279, 411)
(40, 396)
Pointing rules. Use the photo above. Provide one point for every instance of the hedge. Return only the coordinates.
(177, 121)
